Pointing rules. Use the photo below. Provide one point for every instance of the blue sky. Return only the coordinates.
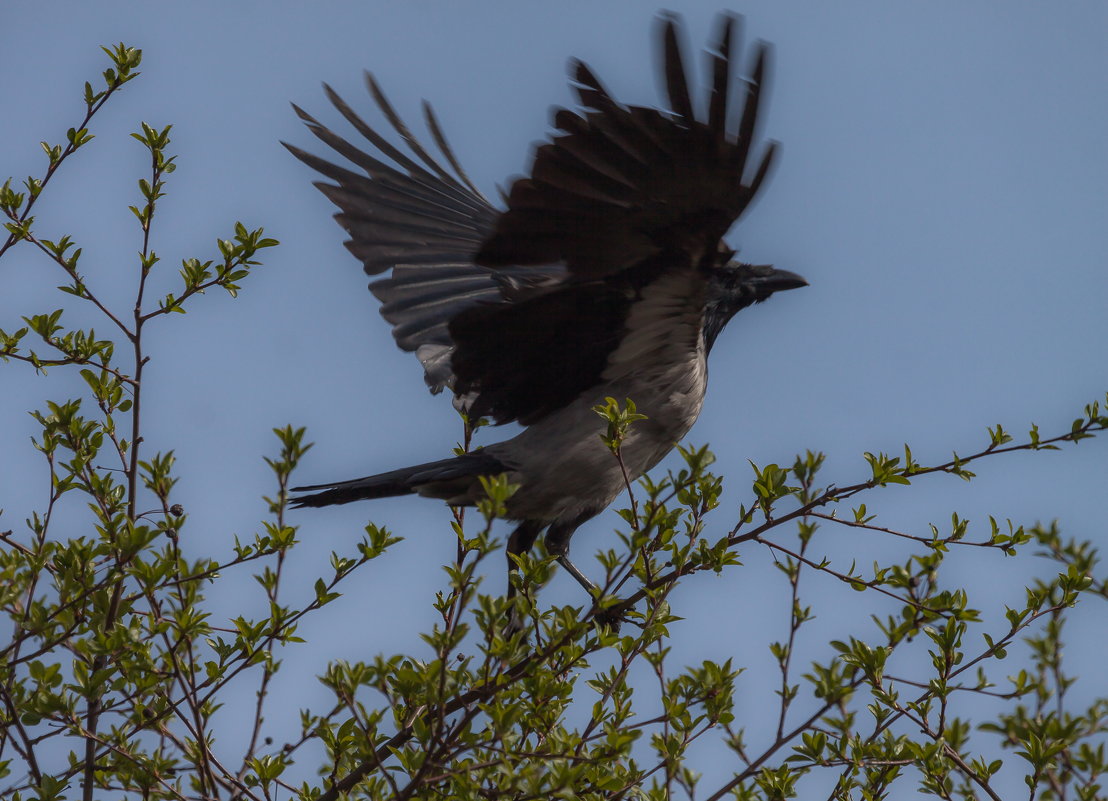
(942, 187)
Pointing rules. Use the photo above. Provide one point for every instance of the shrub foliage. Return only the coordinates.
(117, 665)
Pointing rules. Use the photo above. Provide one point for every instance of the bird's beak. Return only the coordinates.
(778, 281)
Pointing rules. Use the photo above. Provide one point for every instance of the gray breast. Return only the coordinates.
(660, 365)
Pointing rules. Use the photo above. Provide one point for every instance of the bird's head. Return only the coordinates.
(736, 285)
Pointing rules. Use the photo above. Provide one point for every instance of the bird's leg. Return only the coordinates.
(557, 543)
(520, 542)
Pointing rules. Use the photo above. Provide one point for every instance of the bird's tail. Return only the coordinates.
(447, 478)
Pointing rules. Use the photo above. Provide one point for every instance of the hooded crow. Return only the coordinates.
(605, 275)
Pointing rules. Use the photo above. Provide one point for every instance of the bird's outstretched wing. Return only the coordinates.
(422, 221)
(621, 186)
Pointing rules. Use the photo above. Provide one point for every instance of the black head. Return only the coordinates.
(736, 285)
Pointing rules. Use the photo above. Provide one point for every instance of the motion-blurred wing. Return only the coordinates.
(621, 186)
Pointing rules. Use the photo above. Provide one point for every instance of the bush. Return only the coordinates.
(117, 664)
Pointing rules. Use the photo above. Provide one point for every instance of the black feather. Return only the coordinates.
(677, 84)
(442, 479)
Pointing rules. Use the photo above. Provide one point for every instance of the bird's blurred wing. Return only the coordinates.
(634, 189)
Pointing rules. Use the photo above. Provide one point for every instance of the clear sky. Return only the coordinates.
(942, 186)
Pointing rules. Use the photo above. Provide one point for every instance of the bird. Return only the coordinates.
(604, 273)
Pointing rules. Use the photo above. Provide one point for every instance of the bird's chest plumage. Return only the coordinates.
(660, 362)
(660, 365)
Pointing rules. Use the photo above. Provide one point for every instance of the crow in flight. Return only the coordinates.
(606, 275)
